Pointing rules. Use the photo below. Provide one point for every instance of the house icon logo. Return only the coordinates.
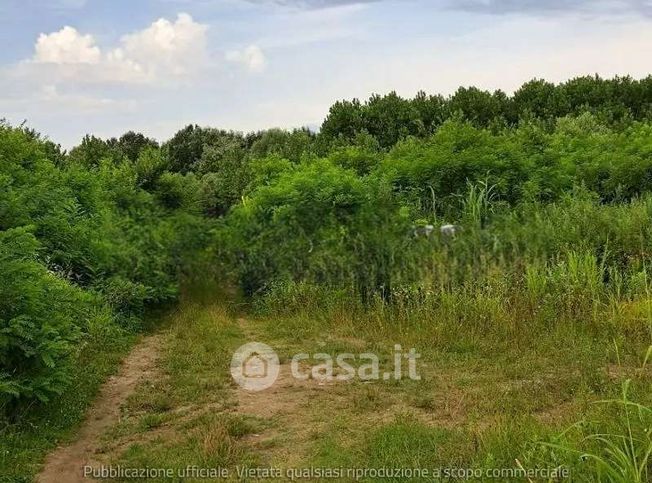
(255, 366)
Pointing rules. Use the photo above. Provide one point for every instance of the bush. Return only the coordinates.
(41, 319)
(82, 242)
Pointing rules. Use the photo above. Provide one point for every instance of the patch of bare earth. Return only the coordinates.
(66, 463)
(298, 411)
(286, 407)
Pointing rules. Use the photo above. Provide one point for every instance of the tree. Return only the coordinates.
(291, 145)
(478, 106)
(184, 151)
(344, 120)
(131, 144)
(391, 118)
(433, 110)
(91, 151)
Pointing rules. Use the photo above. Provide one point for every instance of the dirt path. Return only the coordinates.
(285, 406)
(66, 463)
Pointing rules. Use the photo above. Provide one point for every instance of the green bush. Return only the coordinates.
(80, 238)
(41, 319)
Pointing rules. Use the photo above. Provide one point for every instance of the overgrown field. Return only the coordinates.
(532, 311)
(521, 395)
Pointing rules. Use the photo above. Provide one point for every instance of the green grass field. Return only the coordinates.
(485, 402)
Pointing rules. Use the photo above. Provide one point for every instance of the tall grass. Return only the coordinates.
(619, 451)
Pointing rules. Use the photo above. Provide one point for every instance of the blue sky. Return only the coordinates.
(71, 67)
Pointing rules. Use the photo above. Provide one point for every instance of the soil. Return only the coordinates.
(67, 462)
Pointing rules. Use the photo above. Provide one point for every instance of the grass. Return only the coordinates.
(185, 419)
(485, 401)
(622, 453)
(502, 387)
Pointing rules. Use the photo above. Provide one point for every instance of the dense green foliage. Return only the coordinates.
(101, 232)
(82, 246)
(550, 189)
(326, 221)
(390, 118)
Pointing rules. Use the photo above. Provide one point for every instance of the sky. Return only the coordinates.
(72, 67)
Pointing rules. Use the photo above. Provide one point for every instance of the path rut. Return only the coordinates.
(66, 463)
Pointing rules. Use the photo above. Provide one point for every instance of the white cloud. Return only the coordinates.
(67, 46)
(164, 51)
(174, 46)
(252, 57)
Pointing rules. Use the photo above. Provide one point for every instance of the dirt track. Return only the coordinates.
(66, 463)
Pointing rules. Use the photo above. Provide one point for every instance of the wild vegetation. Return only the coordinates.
(541, 298)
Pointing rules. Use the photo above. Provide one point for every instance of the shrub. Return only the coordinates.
(41, 319)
